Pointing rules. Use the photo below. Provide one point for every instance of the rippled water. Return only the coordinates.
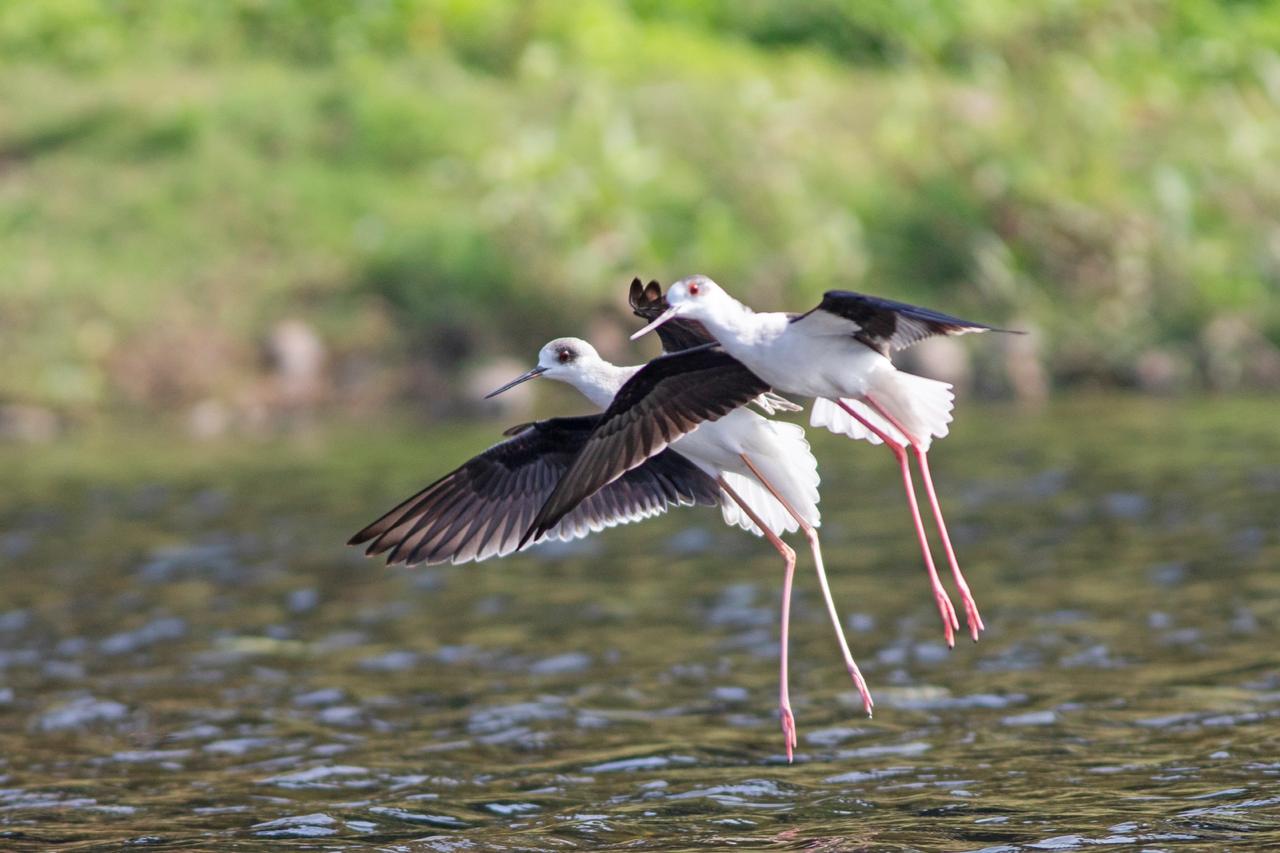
(190, 659)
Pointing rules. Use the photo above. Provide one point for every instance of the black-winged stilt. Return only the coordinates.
(764, 467)
(839, 352)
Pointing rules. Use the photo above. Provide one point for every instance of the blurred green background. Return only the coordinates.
(226, 211)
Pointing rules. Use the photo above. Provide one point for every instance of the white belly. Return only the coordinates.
(812, 366)
(716, 446)
(777, 449)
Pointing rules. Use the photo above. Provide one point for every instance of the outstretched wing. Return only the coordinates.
(482, 509)
(883, 324)
(666, 399)
(647, 303)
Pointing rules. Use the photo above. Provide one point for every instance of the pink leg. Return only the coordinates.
(789, 558)
(812, 535)
(972, 617)
(945, 608)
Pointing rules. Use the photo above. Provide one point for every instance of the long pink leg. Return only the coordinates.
(815, 546)
(789, 557)
(972, 617)
(945, 608)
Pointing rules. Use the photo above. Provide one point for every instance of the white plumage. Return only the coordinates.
(839, 354)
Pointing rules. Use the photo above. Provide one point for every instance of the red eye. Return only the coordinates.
(565, 355)
(693, 288)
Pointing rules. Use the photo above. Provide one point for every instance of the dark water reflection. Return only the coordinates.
(189, 658)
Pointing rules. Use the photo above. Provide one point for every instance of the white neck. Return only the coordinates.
(598, 380)
(735, 324)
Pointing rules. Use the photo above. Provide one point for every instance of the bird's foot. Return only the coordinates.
(950, 622)
(788, 730)
(868, 704)
(972, 617)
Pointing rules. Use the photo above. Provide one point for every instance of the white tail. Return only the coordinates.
(827, 414)
(923, 407)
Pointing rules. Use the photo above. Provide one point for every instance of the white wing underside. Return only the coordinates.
(781, 453)
(579, 523)
(570, 528)
(763, 504)
(823, 324)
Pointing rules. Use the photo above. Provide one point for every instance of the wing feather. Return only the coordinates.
(885, 325)
(481, 509)
(664, 400)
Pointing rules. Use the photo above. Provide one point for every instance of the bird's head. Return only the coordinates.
(563, 359)
(695, 297)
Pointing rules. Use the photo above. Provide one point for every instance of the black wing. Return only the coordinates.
(481, 509)
(647, 303)
(666, 399)
(883, 324)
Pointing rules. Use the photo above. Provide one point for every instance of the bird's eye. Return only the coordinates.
(565, 355)
(693, 288)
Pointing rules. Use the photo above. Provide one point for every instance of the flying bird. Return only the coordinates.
(839, 352)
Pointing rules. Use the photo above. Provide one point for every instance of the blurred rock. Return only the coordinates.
(186, 358)
(1237, 354)
(1162, 371)
(296, 357)
(1262, 370)
(209, 419)
(27, 423)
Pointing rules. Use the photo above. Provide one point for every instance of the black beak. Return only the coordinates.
(523, 377)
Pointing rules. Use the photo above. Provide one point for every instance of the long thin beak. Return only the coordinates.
(662, 318)
(523, 377)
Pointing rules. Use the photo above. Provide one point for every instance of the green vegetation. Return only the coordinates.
(420, 178)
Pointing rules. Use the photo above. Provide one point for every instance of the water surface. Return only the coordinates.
(190, 659)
